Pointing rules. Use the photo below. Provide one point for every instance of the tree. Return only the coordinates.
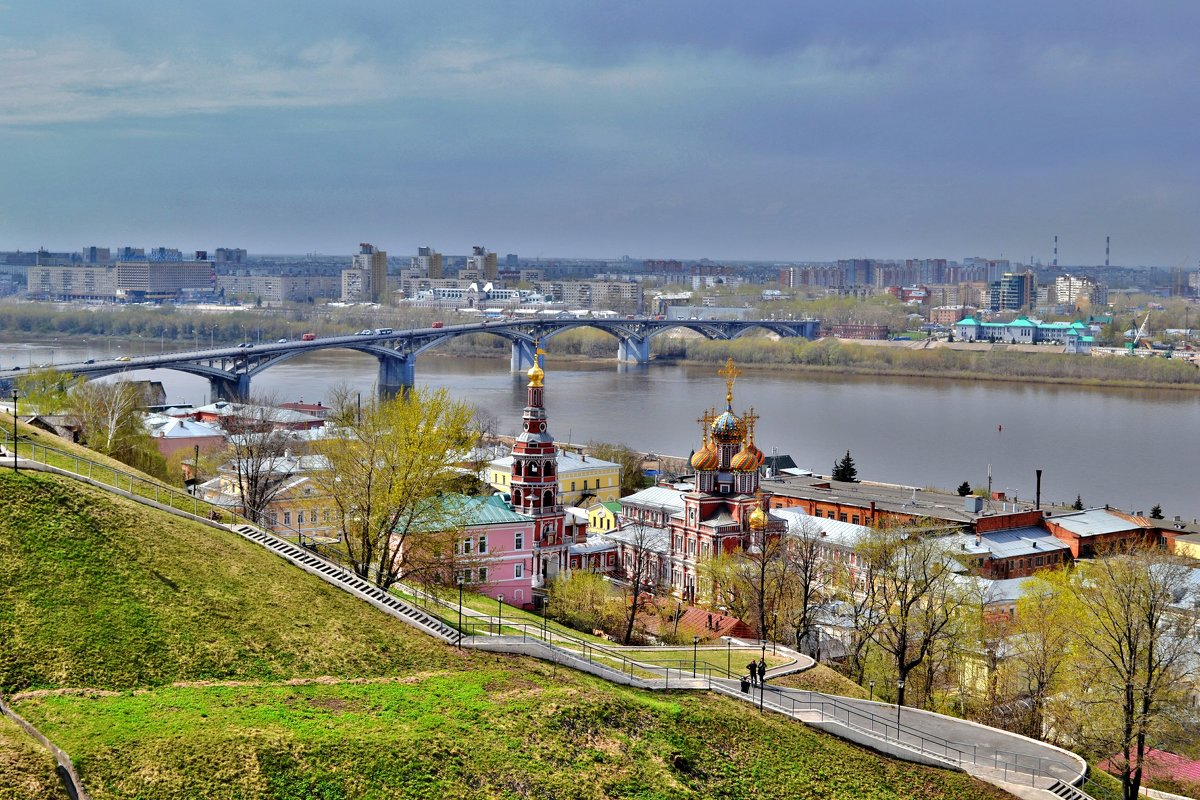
(1156, 512)
(261, 458)
(801, 581)
(584, 601)
(916, 602)
(639, 569)
(47, 390)
(964, 488)
(629, 460)
(844, 470)
(108, 418)
(1042, 637)
(1078, 504)
(1132, 652)
(388, 479)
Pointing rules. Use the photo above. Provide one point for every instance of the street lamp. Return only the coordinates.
(499, 612)
(728, 656)
(775, 627)
(460, 588)
(899, 704)
(872, 685)
(695, 641)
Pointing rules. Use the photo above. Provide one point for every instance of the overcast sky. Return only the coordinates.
(780, 131)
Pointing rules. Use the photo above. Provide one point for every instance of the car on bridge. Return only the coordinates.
(281, 341)
(122, 358)
(366, 332)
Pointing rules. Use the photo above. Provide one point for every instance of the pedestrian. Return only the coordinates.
(762, 670)
(753, 666)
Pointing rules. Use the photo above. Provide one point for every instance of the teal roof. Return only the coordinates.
(487, 510)
(1021, 322)
(967, 321)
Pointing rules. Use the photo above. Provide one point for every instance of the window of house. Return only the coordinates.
(842, 517)
(572, 486)
(300, 517)
(287, 518)
(466, 546)
(691, 547)
(854, 519)
(483, 544)
(1039, 561)
(483, 574)
(519, 570)
(519, 541)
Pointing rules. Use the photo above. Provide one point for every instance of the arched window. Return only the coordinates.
(548, 498)
(548, 468)
(516, 497)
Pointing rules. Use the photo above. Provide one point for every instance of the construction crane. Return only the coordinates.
(1139, 336)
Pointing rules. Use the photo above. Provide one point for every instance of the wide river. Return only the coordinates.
(1130, 448)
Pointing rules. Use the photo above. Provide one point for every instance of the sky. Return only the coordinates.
(778, 131)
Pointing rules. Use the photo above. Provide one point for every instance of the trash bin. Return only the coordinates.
(745, 685)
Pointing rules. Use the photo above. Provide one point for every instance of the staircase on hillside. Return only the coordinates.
(1068, 792)
(345, 579)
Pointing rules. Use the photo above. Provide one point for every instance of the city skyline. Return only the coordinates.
(793, 132)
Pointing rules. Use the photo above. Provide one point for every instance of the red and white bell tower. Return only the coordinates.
(534, 480)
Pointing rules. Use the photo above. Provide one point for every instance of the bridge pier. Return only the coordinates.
(396, 376)
(234, 389)
(522, 356)
(634, 350)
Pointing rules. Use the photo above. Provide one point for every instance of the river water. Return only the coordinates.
(1130, 448)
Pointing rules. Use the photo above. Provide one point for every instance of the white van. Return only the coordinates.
(383, 331)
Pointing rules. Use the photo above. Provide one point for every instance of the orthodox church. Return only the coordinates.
(722, 510)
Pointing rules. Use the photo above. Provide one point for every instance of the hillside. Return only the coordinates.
(26, 769)
(172, 660)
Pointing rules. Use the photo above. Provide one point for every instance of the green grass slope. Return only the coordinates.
(166, 675)
(26, 769)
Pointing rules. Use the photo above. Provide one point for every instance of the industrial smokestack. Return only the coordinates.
(1106, 251)
(1038, 500)
(1056, 249)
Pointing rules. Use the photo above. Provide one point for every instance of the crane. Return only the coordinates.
(1139, 336)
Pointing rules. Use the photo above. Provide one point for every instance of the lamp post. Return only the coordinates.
(14, 430)
(460, 588)
(195, 470)
(775, 628)
(728, 656)
(872, 685)
(899, 704)
(545, 621)
(499, 612)
(695, 641)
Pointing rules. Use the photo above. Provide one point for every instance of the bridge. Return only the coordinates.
(229, 370)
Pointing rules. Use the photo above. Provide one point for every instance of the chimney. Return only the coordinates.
(1038, 504)
(978, 538)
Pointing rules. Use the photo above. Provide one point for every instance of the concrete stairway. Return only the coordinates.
(348, 581)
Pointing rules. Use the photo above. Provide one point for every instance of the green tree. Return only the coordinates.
(47, 390)
(629, 460)
(964, 488)
(844, 470)
(1078, 504)
(1156, 512)
(109, 419)
(389, 480)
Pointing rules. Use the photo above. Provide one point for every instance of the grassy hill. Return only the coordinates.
(26, 769)
(172, 660)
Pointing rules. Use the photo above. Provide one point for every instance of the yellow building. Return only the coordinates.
(604, 517)
(582, 479)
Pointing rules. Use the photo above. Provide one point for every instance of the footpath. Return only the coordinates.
(1019, 765)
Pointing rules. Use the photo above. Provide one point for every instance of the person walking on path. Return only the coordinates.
(762, 670)
(753, 673)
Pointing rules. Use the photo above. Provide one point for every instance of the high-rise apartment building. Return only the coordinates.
(428, 262)
(373, 262)
(1076, 291)
(483, 262)
(1014, 291)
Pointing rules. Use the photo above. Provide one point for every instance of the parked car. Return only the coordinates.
(307, 337)
(90, 361)
(437, 324)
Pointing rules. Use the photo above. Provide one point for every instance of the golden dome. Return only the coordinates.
(535, 375)
(758, 519)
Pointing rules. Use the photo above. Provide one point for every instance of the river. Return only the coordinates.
(1131, 448)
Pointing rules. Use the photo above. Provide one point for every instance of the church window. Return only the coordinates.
(548, 498)
(519, 541)
(516, 497)
(542, 427)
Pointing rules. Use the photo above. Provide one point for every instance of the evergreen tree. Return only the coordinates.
(964, 488)
(845, 470)
(1156, 512)
(1078, 504)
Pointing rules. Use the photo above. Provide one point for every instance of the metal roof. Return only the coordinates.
(1093, 522)
(655, 497)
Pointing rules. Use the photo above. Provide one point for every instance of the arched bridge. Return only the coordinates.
(229, 370)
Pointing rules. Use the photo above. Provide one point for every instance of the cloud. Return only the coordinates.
(73, 80)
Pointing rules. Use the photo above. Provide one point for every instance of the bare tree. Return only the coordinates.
(803, 580)
(108, 418)
(261, 459)
(638, 569)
